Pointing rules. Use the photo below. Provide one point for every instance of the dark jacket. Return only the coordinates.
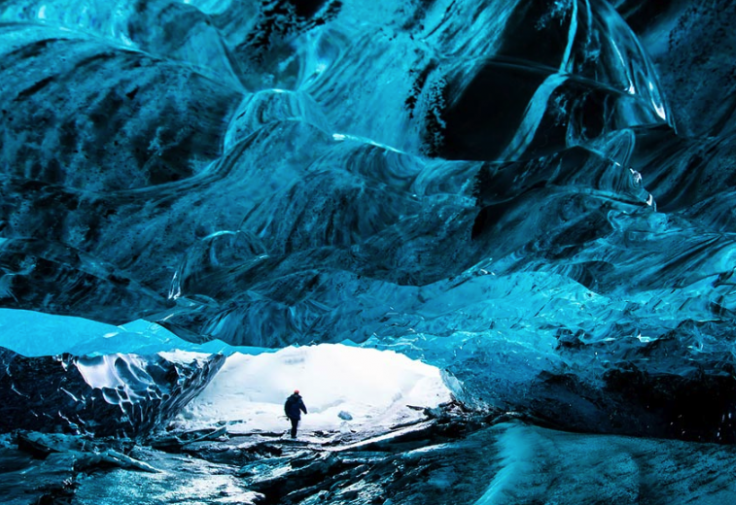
(294, 407)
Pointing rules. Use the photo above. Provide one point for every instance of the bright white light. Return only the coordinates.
(374, 387)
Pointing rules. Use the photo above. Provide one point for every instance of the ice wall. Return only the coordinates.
(534, 196)
(121, 395)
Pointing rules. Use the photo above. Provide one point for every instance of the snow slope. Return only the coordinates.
(374, 387)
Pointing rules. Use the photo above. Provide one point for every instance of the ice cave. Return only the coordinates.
(491, 241)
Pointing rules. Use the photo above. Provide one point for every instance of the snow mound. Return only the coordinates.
(374, 386)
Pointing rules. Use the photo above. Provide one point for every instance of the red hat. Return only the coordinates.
(296, 391)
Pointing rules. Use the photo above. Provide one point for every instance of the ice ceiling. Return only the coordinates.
(536, 197)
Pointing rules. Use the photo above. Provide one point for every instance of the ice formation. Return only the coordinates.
(534, 196)
(112, 395)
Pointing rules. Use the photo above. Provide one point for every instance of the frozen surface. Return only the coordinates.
(374, 387)
(508, 464)
(536, 197)
(545, 466)
(124, 395)
(37, 334)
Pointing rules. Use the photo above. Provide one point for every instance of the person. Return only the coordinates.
(293, 408)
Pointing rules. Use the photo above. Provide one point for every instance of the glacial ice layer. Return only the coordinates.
(534, 196)
(112, 395)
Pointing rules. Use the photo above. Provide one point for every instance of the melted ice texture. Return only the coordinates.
(508, 190)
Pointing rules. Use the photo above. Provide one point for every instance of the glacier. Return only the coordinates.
(534, 197)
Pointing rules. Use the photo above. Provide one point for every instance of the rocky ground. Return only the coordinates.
(454, 456)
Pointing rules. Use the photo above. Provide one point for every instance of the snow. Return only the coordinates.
(373, 386)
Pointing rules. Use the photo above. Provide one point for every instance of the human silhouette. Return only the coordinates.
(293, 408)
